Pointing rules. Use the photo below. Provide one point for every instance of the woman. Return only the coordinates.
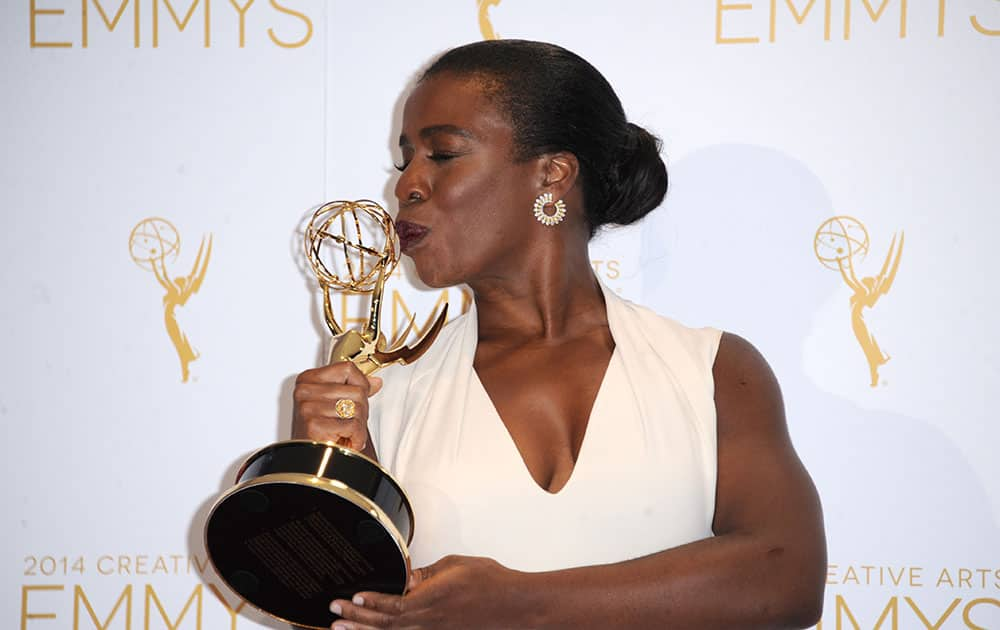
(574, 460)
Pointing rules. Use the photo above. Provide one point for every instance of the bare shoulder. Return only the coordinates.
(747, 394)
(760, 476)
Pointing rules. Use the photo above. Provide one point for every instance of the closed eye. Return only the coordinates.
(434, 157)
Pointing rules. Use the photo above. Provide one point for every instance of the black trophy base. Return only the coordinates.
(290, 542)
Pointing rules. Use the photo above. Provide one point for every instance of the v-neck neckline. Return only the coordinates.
(472, 343)
(497, 419)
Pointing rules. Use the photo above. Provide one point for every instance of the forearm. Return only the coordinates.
(731, 581)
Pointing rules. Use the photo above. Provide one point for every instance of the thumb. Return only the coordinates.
(421, 575)
(374, 385)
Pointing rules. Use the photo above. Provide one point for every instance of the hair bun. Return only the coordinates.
(636, 180)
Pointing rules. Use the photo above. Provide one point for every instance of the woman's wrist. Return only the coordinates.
(526, 594)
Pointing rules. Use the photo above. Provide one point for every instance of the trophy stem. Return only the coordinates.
(331, 322)
(371, 331)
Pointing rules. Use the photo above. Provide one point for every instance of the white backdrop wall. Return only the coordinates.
(776, 115)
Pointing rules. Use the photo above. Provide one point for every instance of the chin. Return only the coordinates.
(435, 280)
(436, 277)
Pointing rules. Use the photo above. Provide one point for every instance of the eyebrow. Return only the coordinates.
(427, 132)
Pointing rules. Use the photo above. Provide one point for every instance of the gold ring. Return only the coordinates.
(345, 408)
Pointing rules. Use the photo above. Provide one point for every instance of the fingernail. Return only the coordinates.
(336, 609)
(340, 626)
(358, 600)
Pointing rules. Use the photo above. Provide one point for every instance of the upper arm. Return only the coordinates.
(763, 489)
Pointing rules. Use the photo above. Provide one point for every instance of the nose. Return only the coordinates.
(411, 186)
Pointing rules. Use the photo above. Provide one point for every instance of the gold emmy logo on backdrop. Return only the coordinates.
(840, 243)
(485, 25)
(152, 243)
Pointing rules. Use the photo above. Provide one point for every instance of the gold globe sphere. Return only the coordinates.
(350, 243)
(839, 240)
(151, 240)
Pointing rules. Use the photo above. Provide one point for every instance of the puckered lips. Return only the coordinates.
(410, 234)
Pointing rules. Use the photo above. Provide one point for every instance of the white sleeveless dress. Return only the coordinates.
(644, 479)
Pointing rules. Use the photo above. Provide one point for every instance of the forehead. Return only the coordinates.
(450, 101)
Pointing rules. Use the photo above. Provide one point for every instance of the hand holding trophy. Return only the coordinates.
(308, 522)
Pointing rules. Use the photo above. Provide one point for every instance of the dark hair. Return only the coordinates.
(556, 101)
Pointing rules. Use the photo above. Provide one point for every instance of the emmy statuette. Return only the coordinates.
(308, 522)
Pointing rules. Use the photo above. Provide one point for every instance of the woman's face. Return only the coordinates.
(464, 203)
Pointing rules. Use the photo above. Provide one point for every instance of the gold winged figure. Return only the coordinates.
(867, 291)
(485, 25)
(178, 291)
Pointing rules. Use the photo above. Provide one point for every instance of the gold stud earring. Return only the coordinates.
(544, 201)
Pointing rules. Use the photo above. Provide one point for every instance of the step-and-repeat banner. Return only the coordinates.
(834, 199)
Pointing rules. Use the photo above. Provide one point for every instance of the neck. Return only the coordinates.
(549, 300)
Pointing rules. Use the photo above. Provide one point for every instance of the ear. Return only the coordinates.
(559, 173)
